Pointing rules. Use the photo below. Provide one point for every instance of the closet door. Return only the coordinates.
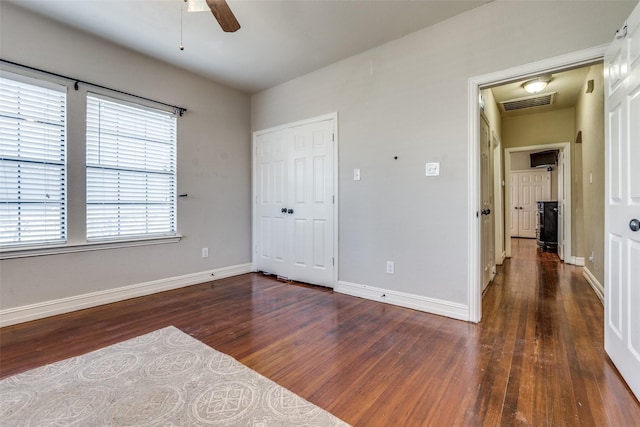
(271, 172)
(294, 207)
(311, 199)
(530, 188)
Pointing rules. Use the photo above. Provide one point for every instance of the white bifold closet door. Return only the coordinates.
(294, 202)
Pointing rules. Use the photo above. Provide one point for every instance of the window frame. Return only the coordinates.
(61, 164)
(173, 221)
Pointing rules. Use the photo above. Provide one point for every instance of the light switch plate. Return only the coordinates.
(433, 169)
(356, 174)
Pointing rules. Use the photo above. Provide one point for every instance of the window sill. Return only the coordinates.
(84, 247)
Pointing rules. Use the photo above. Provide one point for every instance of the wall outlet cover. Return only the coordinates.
(390, 267)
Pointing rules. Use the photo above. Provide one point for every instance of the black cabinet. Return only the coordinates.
(547, 229)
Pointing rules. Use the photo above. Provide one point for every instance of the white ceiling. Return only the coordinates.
(279, 39)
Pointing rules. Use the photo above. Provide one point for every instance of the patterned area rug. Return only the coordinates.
(165, 378)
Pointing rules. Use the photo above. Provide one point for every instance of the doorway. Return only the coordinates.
(556, 64)
(561, 192)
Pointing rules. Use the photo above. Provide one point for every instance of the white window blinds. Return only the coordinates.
(32, 162)
(131, 170)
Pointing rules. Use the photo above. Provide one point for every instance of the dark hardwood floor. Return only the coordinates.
(536, 358)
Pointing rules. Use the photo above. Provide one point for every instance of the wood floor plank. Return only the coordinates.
(536, 359)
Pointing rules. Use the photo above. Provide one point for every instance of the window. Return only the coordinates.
(32, 162)
(131, 170)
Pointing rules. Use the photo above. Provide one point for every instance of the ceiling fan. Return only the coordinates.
(220, 10)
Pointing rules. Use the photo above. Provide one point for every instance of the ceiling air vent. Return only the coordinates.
(538, 100)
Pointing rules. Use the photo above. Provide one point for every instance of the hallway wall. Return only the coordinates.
(590, 120)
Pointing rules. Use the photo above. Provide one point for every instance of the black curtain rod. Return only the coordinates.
(76, 82)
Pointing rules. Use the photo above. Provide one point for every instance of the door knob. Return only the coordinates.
(634, 225)
(485, 211)
(290, 211)
(283, 210)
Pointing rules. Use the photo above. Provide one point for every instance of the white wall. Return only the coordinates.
(214, 159)
(408, 98)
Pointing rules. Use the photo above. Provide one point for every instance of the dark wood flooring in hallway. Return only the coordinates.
(536, 358)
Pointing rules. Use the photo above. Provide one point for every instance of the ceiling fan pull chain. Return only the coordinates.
(181, 26)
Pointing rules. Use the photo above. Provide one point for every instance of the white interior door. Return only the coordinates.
(515, 206)
(488, 241)
(272, 194)
(311, 164)
(622, 202)
(294, 207)
(530, 187)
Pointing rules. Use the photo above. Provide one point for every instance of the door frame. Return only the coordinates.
(557, 63)
(566, 215)
(254, 181)
(498, 200)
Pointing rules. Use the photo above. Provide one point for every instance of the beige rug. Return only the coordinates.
(165, 378)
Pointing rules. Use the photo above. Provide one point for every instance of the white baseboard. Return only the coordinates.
(575, 260)
(595, 284)
(25, 313)
(416, 302)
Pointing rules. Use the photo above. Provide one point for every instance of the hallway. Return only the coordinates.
(542, 314)
(536, 359)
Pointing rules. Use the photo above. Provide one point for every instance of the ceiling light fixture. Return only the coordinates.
(197, 6)
(537, 84)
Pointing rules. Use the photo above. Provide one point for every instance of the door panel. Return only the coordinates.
(313, 207)
(622, 202)
(272, 192)
(515, 207)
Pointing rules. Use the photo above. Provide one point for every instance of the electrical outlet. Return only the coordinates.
(205, 252)
(390, 267)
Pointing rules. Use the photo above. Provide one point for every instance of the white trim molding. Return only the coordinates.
(576, 260)
(594, 283)
(19, 252)
(416, 302)
(12, 316)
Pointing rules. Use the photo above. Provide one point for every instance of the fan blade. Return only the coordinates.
(224, 15)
